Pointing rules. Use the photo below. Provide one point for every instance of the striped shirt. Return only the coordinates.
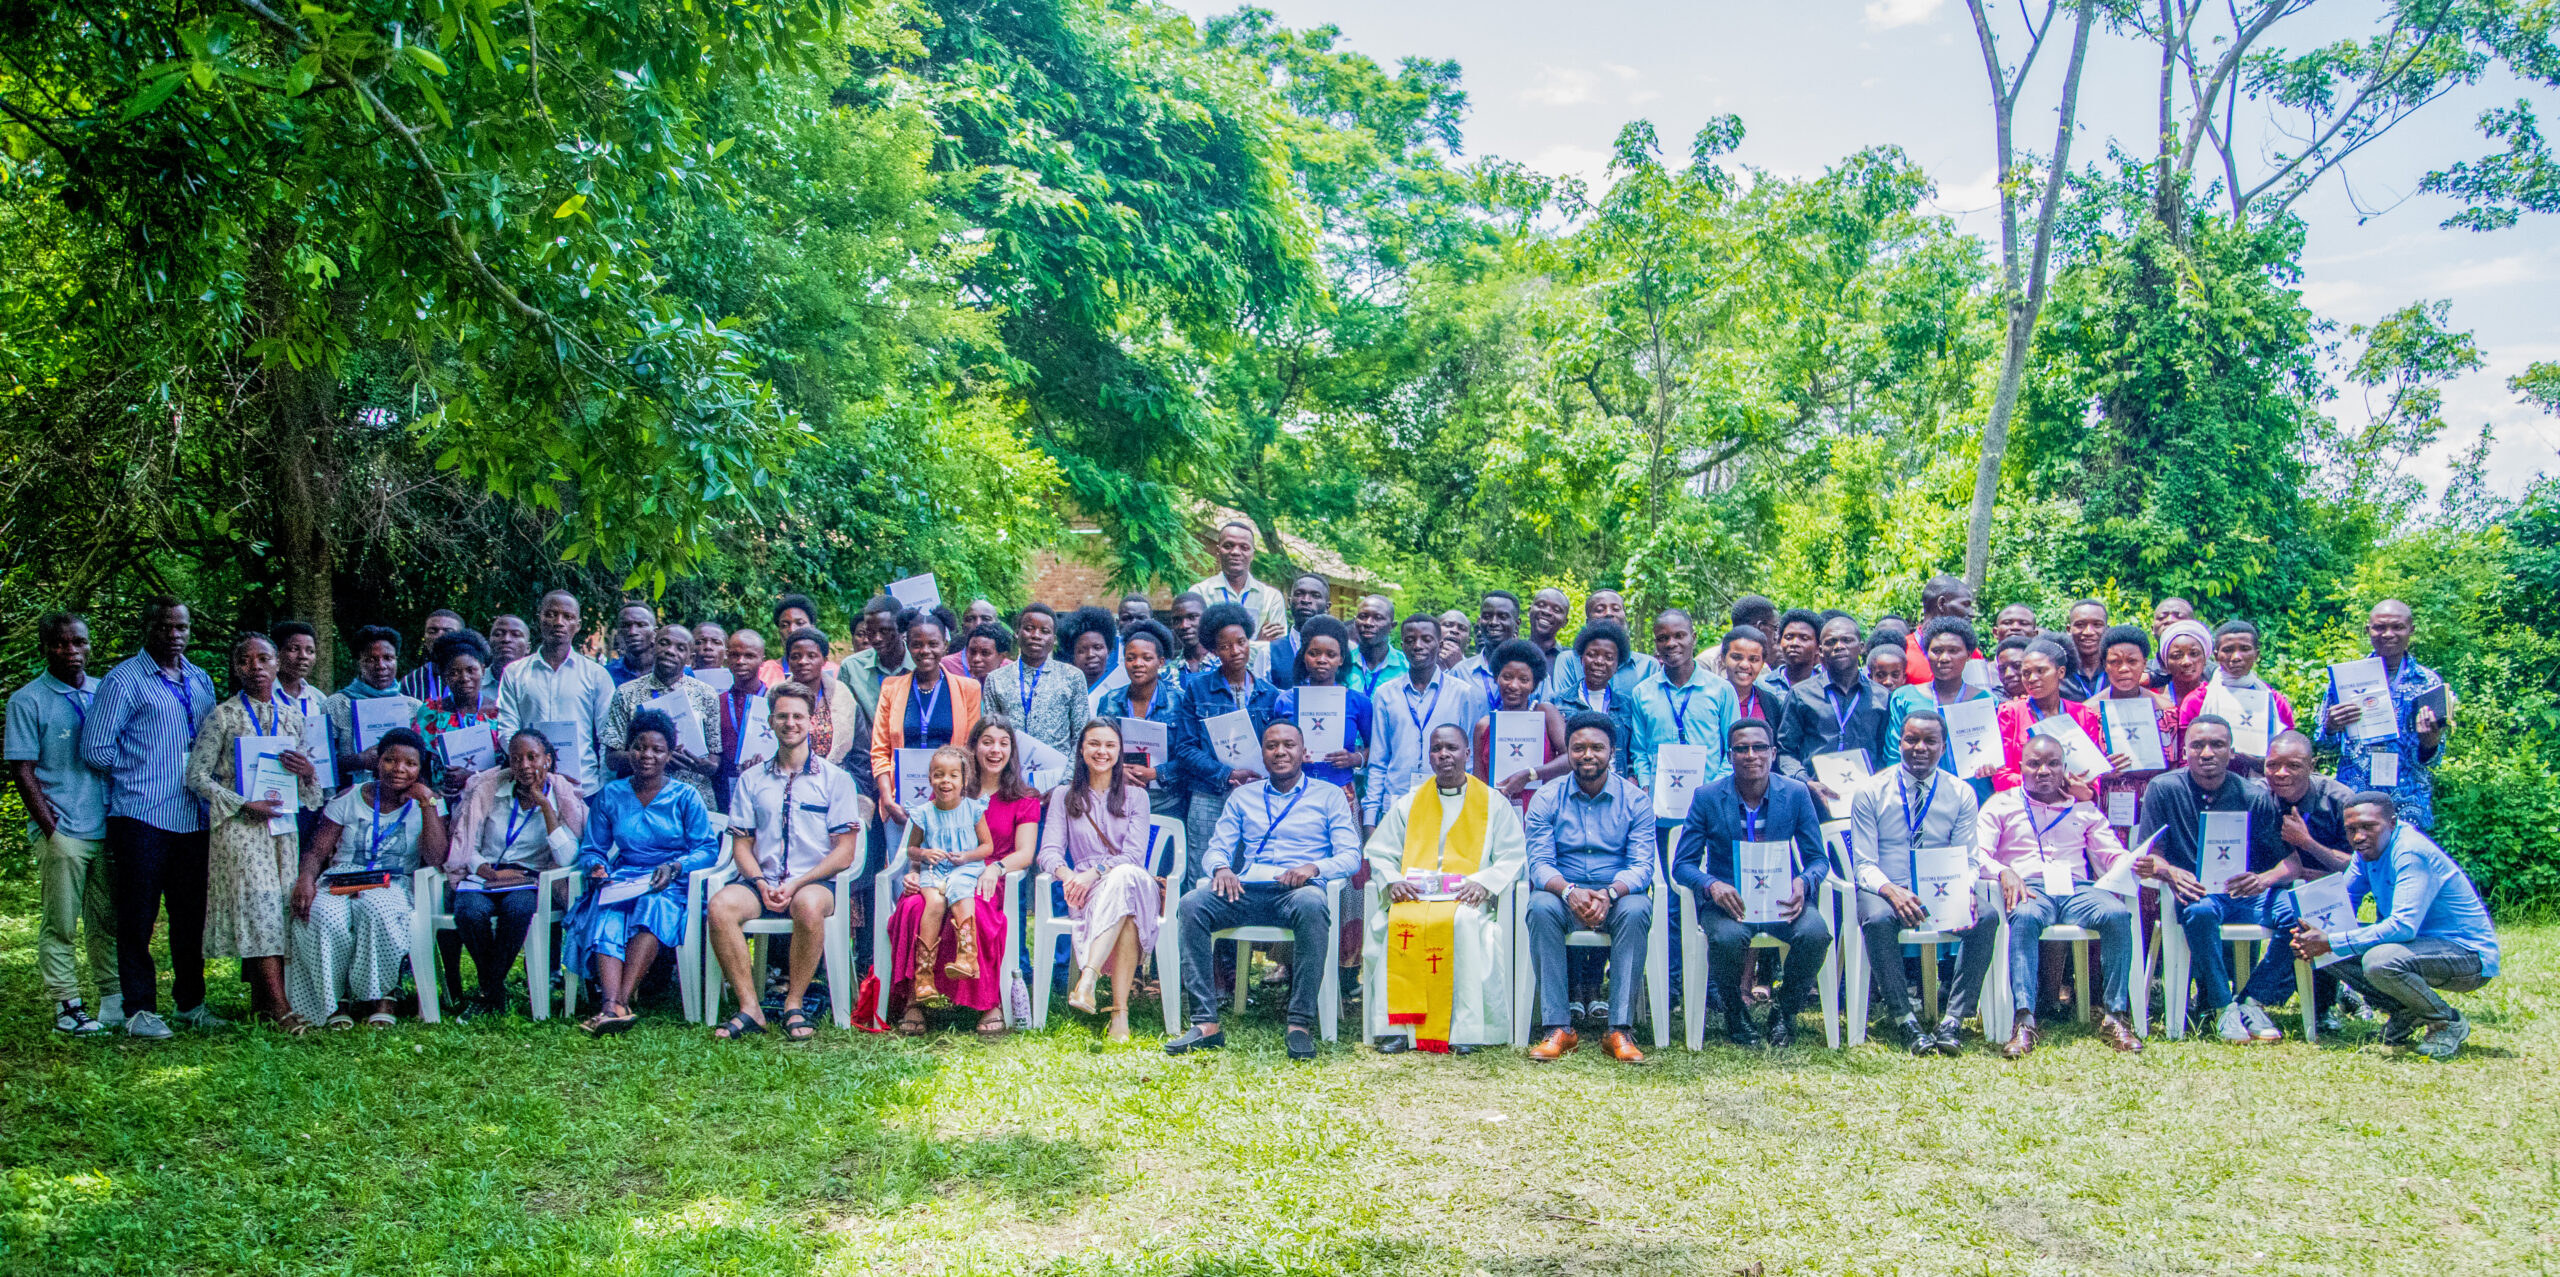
(138, 734)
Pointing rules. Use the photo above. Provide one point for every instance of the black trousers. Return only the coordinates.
(492, 925)
(147, 866)
(1729, 943)
(1265, 904)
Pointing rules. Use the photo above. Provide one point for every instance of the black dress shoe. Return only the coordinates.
(1914, 1036)
(1195, 1040)
(1738, 1030)
(1949, 1036)
(1302, 1043)
(1781, 1032)
(1393, 1044)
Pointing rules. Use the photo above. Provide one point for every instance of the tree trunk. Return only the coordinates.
(2023, 309)
(303, 465)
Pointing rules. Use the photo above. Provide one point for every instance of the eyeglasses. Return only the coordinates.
(1753, 749)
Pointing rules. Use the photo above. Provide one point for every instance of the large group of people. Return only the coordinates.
(1396, 793)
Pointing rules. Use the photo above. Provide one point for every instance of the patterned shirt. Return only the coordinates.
(2415, 792)
(1047, 701)
(627, 700)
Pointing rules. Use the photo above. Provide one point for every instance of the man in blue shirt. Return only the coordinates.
(66, 816)
(1404, 712)
(2433, 932)
(1754, 804)
(1279, 841)
(2401, 764)
(138, 733)
(1590, 865)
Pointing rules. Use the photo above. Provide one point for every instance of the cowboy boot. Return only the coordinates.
(922, 993)
(964, 952)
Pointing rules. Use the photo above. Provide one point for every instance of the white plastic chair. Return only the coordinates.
(431, 911)
(1859, 972)
(1508, 911)
(1657, 964)
(2177, 967)
(690, 953)
(1328, 1002)
(837, 964)
(1166, 851)
(1693, 962)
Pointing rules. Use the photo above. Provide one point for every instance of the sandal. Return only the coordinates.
(911, 1025)
(380, 1020)
(738, 1027)
(293, 1025)
(339, 1021)
(606, 1024)
(992, 1026)
(795, 1024)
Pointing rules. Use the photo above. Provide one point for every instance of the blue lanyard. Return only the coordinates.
(733, 716)
(1911, 825)
(1680, 710)
(373, 848)
(275, 714)
(1840, 714)
(1422, 717)
(1271, 823)
(2027, 805)
(517, 814)
(79, 699)
(182, 687)
(1751, 821)
(924, 715)
(1029, 679)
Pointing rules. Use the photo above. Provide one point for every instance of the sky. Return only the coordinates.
(1816, 80)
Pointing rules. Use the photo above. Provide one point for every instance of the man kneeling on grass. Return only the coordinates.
(1446, 850)
(1278, 842)
(795, 822)
(2433, 934)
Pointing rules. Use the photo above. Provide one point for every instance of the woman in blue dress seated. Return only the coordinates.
(645, 831)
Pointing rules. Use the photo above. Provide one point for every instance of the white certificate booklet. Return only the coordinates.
(2325, 909)
(1519, 744)
(2224, 848)
(1943, 879)
(1231, 738)
(564, 737)
(1323, 718)
(1042, 765)
(2133, 729)
(374, 717)
(680, 708)
(913, 772)
(2248, 710)
(755, 733)
(916, 591)
(1765, 874)
(469, 750)
(2085, 759)
(258, 775)
(1843, 772)
(2363, 684)
(1678, 771)
(1973, 735)
(1146, 736)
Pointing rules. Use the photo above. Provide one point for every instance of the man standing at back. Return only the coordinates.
(560, 687)
(1498, 622)
(2400, 763)
(1235, 582)
(1309, 595)
(1635, 669)
(138, 734)
(635, 641)
(1378, 661)
(422, 684)
(1939, 596)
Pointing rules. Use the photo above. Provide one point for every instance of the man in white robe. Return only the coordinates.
(1474, 1007)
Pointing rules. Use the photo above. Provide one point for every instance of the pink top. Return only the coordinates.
(1006, 815)
(2195, 704)
(2021, 834)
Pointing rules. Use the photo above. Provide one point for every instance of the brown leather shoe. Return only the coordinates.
(2022, 1041)
(2113, 1031)
(1622, 1047)
(1555, 1046)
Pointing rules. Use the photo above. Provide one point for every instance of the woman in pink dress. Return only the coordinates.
(1013, 817)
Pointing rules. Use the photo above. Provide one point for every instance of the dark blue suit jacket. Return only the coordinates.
(1704, 853)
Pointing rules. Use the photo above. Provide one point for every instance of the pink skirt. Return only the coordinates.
(985, 992)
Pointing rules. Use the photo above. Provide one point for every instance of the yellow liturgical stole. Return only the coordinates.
(1422, 934)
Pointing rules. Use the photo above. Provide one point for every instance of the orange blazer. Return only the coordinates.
(889, 728)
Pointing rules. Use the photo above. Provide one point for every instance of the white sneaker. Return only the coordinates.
(145, 1024)
(72, 1018)
(2262, 1027)
(111, 1010)
(200, 1016)
(2234, 1026)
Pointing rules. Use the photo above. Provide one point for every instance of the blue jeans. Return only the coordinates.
(1629, 922)
(2271, 981)
(2099, 911)
(2203, 922)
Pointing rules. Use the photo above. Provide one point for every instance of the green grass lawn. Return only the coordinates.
(511, 1147)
